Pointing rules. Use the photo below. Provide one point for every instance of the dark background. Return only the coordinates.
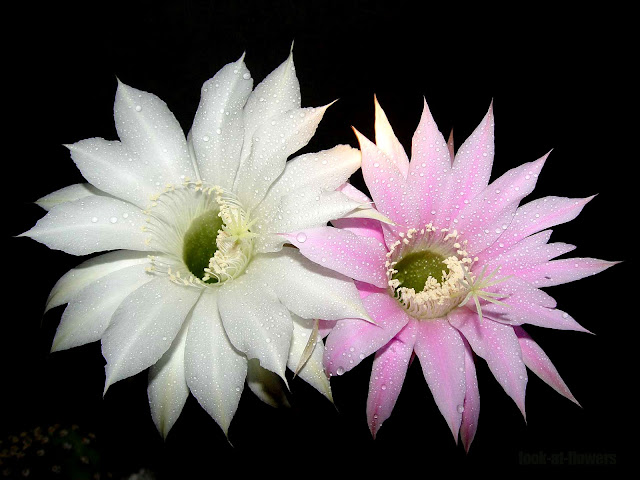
(557, 81)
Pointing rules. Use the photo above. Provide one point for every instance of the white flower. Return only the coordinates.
(199, 287)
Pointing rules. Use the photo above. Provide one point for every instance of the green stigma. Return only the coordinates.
(200, 243)
(414, 269)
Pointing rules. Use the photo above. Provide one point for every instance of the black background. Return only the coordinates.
(557, 80)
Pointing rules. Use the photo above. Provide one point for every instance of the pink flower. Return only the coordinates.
(455, 275)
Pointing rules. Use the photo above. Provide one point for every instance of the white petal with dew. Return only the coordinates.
(91, 224)
(144, 326)
(168, 390)
(254, 319)
(69, 194)
(89, 312)
(150, 131)
(215, 370)
(218, 130)
(72, 282)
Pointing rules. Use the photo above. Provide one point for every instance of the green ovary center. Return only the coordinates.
(200, 243)
(414, 269)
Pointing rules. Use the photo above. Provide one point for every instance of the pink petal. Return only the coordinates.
(360, 258)
(366, 227)
(529, 251)
(489, 214)
(527, 304)
(387, 376)
(534, 217)
(537, 361)
(471, 412)
(386, 184)
(471, 168)
(499, 346)
(366, 289)
(388, 142)
(430, 166)
(352, 340)
(441, 352)
(562, 271)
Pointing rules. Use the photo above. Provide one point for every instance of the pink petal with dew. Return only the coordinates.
(440, 349)
(361, 258)
(471, 169)
(526, 304)
(499, 346)
(529, 251)
(562, 271)
(351, 340)
(471, 413)
(539, 363)
(365, 289)
(387, 376)
(534, 217)
(387, 141)
(387, 185)
(430, 166)
(483, 220)
(366, 227)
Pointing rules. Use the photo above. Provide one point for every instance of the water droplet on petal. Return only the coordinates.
(113, 219)
(301, 237)
(340, 371)
(138, 108)
(460, 408)
(94, 219)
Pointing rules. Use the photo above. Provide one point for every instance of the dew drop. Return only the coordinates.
(205, 138)
(246, 76)
(138, 108)
(460, 408)
(113, 219)
(218, 131)
(301, 237)
(340, 371)
(94, 219)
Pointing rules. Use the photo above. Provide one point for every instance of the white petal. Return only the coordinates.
(144, 326)
(215, 370)
(313, 371)
(89, 271)
(266, 385)
(68, 194)
(255, 321)
(218, 131)
(90, 311)
(307, 289)
(271, 145)
(167, 390)
(298, 211)
(277, 93)
(312, 173)
(149, 130)
(91, 224)
(113, 168)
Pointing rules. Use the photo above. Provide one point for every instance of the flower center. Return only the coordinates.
(200, 242)
(415, 269)
(427, 270)
(203, 234)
